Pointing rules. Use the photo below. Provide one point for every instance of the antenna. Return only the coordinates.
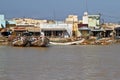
(86, 5)
(54, 14)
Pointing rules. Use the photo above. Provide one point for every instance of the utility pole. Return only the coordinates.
(86, 3)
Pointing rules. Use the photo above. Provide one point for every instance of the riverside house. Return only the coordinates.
(57, 29)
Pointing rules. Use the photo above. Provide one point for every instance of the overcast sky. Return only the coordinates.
(60, 9)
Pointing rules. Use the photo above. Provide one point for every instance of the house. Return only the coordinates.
(3, 28)
(117, 32)
(22, 28)
(2, 21)
(90, 24)
(57, 29)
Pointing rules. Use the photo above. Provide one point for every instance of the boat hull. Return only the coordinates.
(28, 43)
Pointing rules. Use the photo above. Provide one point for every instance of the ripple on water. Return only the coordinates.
(60, 63)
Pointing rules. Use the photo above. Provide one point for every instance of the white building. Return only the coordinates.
(93, 21)
(85, 18)
(57, 29)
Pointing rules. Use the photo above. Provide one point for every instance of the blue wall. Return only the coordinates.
(10, 22)
(2, 22)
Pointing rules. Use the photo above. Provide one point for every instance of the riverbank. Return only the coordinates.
(83, 41)
(3, 40)
(73, 41)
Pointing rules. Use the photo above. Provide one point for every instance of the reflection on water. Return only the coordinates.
(60, 63)
(2, 63)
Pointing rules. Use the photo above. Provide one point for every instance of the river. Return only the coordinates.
(73, 62)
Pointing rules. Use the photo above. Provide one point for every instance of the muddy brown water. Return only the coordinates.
(60, 63)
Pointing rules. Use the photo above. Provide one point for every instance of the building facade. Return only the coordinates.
(2, 21)
(94, 21)
(71, 19)
(58, 29)
(85, 18)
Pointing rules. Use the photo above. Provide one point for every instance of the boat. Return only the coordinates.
(68, 43)
(40, 42)
(28, 41)
(19, 41)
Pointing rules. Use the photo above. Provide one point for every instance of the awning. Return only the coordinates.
(33, 29)
(117, 28)
(19, 29)
(98, 30)
(85, 28)
(53, 29)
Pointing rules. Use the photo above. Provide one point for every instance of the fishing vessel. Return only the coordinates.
(28, 40)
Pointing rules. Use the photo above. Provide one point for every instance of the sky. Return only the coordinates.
(60, 9)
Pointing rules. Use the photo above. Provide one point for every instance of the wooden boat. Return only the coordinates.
(68, 43)
(30, 40)
(40, 42)
(20, 41)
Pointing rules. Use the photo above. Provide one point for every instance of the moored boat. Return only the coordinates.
(28, 41)
(39, 42)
